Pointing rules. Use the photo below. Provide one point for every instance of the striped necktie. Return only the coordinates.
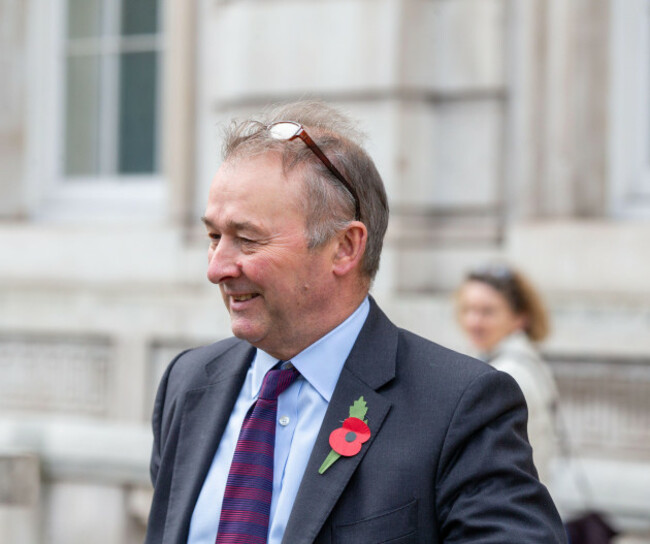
(247, 500)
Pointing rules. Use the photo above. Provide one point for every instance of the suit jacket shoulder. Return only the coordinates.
(198, 366)
(433, 358)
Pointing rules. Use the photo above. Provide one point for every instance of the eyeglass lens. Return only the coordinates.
(284, 131)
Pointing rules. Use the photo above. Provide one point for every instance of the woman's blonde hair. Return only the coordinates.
(520, 294)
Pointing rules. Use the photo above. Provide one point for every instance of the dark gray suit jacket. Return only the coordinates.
(448, 459)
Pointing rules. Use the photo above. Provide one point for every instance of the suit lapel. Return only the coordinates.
(205, 415)
(370, 365)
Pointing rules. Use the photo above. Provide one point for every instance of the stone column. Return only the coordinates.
(179, 113)
(19, 498)
(558, 135)
(12, 106)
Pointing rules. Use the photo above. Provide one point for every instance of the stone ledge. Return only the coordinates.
(583, 256)
(74, 450)
(19, 479)
(617, 488)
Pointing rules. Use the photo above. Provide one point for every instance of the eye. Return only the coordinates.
(247, 243)
(214, 238)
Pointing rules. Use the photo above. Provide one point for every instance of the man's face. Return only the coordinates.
(274, 288)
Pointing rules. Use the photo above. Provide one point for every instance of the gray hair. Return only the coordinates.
(329, 206)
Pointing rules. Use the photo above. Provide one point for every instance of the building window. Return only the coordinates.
(113, 52)
(96, 110)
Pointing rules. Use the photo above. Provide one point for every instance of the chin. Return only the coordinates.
(245, 331)
(481, 344)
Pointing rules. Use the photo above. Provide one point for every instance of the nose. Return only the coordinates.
(471, 319)
(223, 262)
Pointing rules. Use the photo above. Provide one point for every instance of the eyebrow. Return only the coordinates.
(207, 222)
(237, 226)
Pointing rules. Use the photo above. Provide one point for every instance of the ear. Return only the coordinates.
(350, 248)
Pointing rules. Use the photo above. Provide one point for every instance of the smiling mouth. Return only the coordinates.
(244, 298)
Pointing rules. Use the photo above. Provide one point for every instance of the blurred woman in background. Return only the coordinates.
(504, 318)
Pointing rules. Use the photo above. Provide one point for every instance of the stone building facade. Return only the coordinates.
(504, 129)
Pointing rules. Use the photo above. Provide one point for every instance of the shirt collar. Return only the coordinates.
(321, 363)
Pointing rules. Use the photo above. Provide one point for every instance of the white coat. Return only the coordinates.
(517, 356)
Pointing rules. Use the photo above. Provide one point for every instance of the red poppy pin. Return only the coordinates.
(347, 439)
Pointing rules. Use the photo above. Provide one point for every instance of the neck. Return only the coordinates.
(330, 318)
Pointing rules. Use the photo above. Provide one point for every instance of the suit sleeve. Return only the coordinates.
(159, 420)
(487, 486)
(156, 423)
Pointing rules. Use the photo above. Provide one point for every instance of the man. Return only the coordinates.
(376, 435)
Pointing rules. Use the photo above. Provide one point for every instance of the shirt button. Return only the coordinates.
(284, 421)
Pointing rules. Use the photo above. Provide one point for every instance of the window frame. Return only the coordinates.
(54, 196)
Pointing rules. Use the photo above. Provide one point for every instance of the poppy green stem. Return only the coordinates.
(329, 461)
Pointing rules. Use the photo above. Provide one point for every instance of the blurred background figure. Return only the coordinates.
(504, 317)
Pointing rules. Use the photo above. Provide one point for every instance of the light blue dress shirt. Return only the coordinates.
(301, 409)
